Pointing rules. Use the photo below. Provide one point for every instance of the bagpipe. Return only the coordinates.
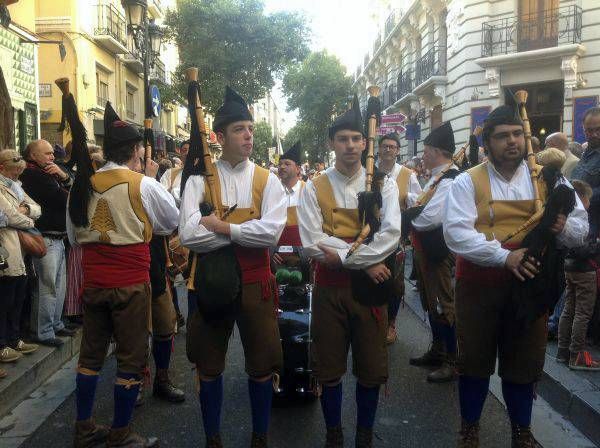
(366, 291)
(432, 242)
(534, 297)
(214, 276)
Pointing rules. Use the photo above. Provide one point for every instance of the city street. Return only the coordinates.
(413, 413)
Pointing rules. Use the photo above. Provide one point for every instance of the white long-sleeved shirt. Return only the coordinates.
(236, 188)
(345, 190)
(461, 213)
(433, 214)
(293, 195)
(414, 188)
(174, 186)
(158, 204)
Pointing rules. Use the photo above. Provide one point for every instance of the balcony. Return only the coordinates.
(376, 44)
(390, 23)
(405, 83)
(431, 64)
(110, 30)
(158, 73)
(155, 8)
(133, 58)
(545, 29)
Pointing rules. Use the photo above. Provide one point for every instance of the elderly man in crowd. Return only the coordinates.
(19, 212)
(560, 141)
(48, 185)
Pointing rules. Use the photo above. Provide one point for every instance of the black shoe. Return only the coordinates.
(165, 390)
(335, 437)
(434, 357)
(364, 437)
(65, 332)
(52, 342)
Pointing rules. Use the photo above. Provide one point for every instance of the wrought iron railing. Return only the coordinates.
(545, 29)
(390, 23)
(391, 94)
(430, 64)
(134, 53)
(110, 22)
(405, 83)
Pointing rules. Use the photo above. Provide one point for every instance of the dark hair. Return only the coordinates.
(120, 154)
(591, 111)
(185, 142)
(395, 137)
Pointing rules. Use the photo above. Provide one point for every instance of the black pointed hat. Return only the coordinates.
(351, 119)
(118, 133)
(442, 137)
(504, 114)
(294, 153)
(234, 109)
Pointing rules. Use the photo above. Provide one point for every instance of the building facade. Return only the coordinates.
(266, 110)
(102, 64)
(455, 60)
(18, 60)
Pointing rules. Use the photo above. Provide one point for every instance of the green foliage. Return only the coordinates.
(319, 89)
(263, 140)
(233, 42)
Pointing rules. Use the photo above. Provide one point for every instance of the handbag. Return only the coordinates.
(32, 242)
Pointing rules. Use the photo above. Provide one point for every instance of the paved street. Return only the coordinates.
(412, 413)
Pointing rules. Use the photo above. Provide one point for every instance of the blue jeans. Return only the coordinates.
(48, 295)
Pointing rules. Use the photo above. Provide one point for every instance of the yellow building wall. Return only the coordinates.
(23, 13)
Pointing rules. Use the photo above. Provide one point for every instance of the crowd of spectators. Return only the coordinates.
(40, 290)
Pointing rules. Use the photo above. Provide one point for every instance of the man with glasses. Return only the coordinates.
(588, 168)
(484, 205)
(408, 191)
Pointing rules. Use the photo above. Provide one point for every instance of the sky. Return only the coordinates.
(337, 25)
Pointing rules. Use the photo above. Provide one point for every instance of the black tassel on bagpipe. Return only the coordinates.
(81, 191)
(194, 163)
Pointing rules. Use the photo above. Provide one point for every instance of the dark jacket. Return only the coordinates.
(581, 259)
(588, 170)
(50, 194)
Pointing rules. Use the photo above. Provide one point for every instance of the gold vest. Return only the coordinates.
(403, 181)
(337, 221)
(115, 211)
(498, 219)
(240, 215)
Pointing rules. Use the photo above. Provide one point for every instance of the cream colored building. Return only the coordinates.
(102, 64)
(440, 60)
(266, 110)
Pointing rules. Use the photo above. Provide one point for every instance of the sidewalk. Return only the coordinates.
(32, 370)
(575, 395)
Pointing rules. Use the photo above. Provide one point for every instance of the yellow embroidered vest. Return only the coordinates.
(337, 221)
(116, 212)
(498, 219)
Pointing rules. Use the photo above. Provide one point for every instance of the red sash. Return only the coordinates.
(290, 236)
(333, 278)
(109, 266)
(255, 267)
(472, 272)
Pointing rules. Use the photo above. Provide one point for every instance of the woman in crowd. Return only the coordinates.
(21, 212)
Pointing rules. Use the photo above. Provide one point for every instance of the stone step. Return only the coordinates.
(29, 372)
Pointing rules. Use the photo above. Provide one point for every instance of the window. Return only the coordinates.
(130, 103)
(101, 87)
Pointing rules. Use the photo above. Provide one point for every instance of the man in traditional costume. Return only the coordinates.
(409, 190)
(256, 207)
(112, 215)
(289, 174)
(485, 204)
(329, 221)
(432, 259)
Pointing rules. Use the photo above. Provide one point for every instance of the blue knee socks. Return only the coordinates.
(366, 405)
(261, 396)
(472, 393)
(161, 351)
(85, 392)
(211, 402)
(519, 401)
(448, 334)
(331, 404)
(125, 396)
